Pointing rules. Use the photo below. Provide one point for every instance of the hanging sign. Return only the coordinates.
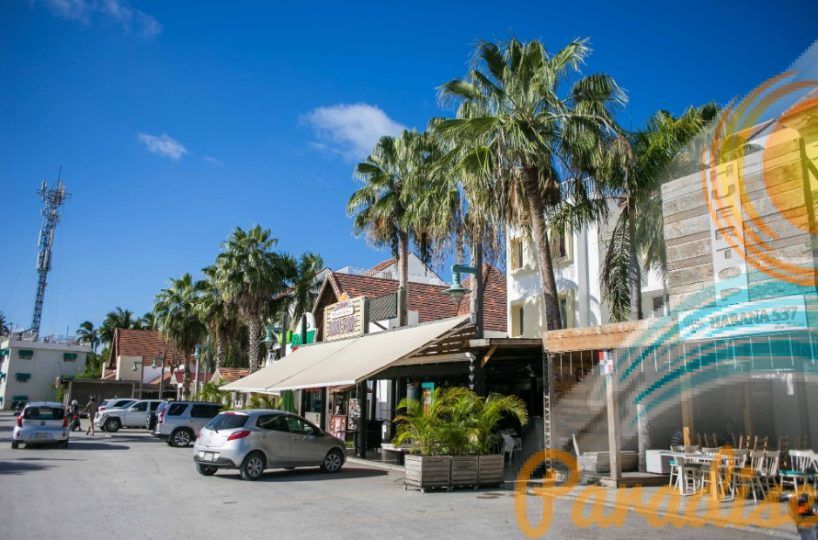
(344, 319)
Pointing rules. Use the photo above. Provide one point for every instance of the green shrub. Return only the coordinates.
(458, 422)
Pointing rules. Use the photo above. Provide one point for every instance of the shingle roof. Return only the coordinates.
(144, 343)
(227, 375)
(383, 265)
(429, 300)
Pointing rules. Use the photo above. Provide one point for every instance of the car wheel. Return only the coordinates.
(333, 461)
(252, 466)
(63, 444)
(15, 445)
(112, 425)
(181, 438)
(206, 470)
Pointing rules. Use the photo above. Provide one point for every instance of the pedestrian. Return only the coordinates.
(803, 512)
(91, 408)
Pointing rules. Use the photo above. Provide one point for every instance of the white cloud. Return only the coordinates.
(163, 144)
(210, 160)
(130, 20)
(351, 130)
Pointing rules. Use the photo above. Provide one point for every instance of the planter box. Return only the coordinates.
(465, 471)
(424, 472)
(490, 470)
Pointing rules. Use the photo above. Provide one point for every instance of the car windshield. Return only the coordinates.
(122, 403)
(227, 421)
(43, 413)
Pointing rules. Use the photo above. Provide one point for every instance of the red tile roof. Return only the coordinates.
(228, 375)
(429, 300)
(383, 265)
(145, 343)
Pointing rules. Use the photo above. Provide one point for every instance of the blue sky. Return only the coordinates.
(177, 121)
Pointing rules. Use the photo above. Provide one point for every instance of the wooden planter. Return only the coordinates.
(464, 471)
(425, 472)
(490, 470)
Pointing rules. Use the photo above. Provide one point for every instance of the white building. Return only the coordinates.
(577, 267)
(29, 369)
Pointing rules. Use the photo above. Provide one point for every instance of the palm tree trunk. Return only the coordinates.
(219, 350)
(403, 278)
(476, 296)
(542, 249)
(634, 272)
(252, 343)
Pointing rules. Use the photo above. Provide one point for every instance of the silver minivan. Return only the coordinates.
(254, 440)
(41, 422)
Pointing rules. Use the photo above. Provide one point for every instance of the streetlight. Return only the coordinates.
(456, 292)
(141, 374)
(269, 340)
(197, 353)
(155, 364)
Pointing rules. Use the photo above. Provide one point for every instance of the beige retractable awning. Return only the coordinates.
(344, 362)
(365, 356)
(299, 360)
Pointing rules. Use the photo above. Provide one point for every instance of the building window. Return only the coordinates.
(567, 309)
(562, 247)
(516, 255)
(517, 320)
(658, 306)
(22, 377)
(25, 354)
(69, 357)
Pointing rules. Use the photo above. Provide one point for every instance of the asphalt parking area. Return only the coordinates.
(129, 485)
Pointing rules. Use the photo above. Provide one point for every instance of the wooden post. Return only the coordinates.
(364, 418)
(613, 428)
(324, 407)
(476, 301)
(643, 435)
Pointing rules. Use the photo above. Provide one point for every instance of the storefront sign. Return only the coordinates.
(344, 319)
(786, 313)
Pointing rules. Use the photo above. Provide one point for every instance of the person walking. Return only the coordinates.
(91, 408)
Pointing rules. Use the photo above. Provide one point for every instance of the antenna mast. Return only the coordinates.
(53, 198)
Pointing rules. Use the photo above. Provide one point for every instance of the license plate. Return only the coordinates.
(207, 456)
(42, 436)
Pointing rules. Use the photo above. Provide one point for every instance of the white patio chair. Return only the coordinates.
(510, 446)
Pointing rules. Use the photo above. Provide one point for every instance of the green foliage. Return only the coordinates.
(262, 401)
(210, 393)
(458, 421)
(93, 364)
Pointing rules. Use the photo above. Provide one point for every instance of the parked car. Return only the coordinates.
(150, 421)
(115, 403)
(41, 422)
(132, 417)
(180, 422)
(254, 440)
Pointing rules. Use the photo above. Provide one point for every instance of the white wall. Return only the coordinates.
(45, 366)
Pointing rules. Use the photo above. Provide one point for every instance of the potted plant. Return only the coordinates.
(452, 438)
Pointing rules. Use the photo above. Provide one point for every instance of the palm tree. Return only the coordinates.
(177, 317)
(146, 322)
(535, 148)
(379, 208)
(88, 335)
(304, 288)
(249, 274)
(640, 163)
(216, 315)
(118, 318)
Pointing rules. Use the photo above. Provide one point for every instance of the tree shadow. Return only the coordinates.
(310, 474)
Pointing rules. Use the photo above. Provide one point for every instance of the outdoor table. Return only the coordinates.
(707, 459)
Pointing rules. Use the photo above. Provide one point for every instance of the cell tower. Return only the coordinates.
(53, 199)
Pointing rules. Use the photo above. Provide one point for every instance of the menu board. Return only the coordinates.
(353, 414)
(338, 426)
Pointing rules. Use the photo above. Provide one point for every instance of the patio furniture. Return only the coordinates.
(511, 445)
(802, 462)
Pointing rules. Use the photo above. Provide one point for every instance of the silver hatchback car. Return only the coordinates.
(41, 422)
(254, 440)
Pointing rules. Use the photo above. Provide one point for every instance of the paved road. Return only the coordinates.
(130, 486)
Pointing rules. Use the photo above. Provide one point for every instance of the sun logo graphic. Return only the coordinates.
(760, 183)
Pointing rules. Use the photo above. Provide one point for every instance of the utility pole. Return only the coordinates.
(53, 198)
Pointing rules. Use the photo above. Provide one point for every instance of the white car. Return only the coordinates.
(132, 417)
(114, 403)
(41, 422)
